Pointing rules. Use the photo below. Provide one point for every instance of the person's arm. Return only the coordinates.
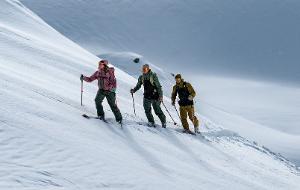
(191, 90)
(174, 94)
(139, 84)
(91, 78)
(158, 85)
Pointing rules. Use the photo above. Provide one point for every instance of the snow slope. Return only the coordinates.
(260, 106)
(185, 33)
(240, 102)
(46, 144)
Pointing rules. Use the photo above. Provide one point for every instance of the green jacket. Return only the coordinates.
(153, 80)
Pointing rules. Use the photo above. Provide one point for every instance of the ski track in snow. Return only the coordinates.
(45, 143)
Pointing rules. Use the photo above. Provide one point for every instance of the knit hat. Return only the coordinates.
(146, 65)
(103, 61)
(178, 76)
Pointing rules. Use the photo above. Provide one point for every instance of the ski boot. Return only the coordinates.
(188, 131)
(101, 117)
(196, 130)
(120, 122)
(151, 124)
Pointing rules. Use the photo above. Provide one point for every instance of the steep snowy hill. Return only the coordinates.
(46, 144)
(189, 34)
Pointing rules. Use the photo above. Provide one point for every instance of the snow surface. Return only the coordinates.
(223, 109)
(46, 144)
(172, 32)
(220, 99)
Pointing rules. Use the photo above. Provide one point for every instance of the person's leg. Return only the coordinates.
(111, 99)
(98, 101)
(192, 116)
(183, 116)
(147, 108)
(157, 109)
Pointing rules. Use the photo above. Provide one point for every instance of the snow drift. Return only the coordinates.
(46, 144)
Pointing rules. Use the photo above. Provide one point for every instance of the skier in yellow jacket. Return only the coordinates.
(186, 95)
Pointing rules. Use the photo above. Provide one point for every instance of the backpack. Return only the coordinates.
(112, 78)
(151, 80)
(184, 86)
(183, 95)
(107, 79)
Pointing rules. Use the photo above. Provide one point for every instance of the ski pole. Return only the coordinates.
(169, 113)
(133, 103)
(177, 112)
(81, 92)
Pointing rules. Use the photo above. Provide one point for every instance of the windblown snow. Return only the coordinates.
(46, 144)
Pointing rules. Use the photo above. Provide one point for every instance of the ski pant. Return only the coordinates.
(157, 109)
(111, 99)
(186, 111)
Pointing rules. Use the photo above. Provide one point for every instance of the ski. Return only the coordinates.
(189, 132)
(93, 117)
(104, 120)
(155, 126)
(146, 124)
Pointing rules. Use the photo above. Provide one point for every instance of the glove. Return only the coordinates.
(81, 77)
(173, 103)
(161, 99)
(190, 98)
(131, 91)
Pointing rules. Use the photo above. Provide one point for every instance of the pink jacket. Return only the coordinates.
(106, 79)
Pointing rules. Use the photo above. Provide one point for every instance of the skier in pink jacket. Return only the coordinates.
(107, 84)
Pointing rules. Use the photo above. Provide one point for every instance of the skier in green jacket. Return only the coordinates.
(153, 95)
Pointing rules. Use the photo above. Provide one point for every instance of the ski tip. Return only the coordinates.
(85, 116)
